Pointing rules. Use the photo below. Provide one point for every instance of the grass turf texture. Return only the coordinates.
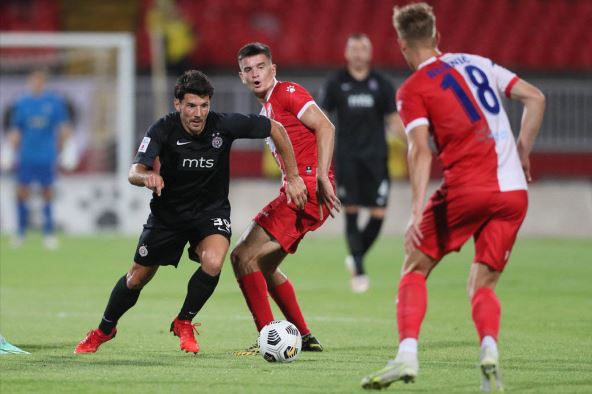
(49, 300)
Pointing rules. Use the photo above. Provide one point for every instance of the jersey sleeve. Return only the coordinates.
(411, 108)
(328, 98)
(388, 90)
(504, 79)
(246, 126)
(295, 98)
(151, 145)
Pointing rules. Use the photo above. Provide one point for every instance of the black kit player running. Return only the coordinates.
(184, 160)
(362, 98)
(195, 170)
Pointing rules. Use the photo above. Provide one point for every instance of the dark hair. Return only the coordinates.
(253, 49)
(195, 82)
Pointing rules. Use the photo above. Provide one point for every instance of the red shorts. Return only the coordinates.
(288, 224)
(492, 218)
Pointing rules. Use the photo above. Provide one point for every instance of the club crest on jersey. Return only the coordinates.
(143, 251)
(373, 84)
(290, 89)
(217, 141)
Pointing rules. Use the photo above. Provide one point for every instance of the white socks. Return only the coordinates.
(489, 342)
(408, 345)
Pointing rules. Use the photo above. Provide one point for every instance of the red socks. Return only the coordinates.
(285, 298)
(486, 312)
(411, 304)
(254, 290)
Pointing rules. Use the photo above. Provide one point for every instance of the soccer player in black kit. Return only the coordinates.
(363, 99)
(189, 201)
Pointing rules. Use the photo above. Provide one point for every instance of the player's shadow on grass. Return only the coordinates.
(33, 347)
(450, 344)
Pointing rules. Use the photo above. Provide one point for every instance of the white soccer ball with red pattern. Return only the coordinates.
(280, 341)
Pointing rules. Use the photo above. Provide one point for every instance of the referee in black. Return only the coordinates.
(184, 160)
(364, 101)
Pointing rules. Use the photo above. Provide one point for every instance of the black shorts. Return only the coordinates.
(363, 182)
(160, 244)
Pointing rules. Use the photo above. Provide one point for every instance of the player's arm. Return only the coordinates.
(419, 158)
(295, 187)
(141, 175)
(145, 172)
(532, 117)
(315, 119)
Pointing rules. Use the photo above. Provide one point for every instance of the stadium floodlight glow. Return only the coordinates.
(124, 45)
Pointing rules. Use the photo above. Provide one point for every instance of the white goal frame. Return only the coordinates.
(124, 44)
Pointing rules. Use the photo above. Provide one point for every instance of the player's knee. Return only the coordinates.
(242, 261)
(135, 282)
(212, 262)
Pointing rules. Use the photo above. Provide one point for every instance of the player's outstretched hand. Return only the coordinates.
(154, 182)
(326, 197)
(413, 234)
(296, 191)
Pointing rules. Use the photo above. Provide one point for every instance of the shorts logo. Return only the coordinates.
(308, 170)
(222, 224)
(144, 145)
(143, 251)
(217, 141)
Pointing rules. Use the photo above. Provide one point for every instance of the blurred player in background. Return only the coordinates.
(280, 226)
(40, 134)
(363, 99)
(189, 203)
(456, 98)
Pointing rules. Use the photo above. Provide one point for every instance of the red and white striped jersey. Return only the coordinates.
(458, 96)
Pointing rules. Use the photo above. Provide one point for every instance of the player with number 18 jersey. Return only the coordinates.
(459, 97)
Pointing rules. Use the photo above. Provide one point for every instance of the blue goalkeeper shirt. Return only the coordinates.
(38, 119)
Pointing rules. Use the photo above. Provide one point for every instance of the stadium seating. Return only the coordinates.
(525, 34)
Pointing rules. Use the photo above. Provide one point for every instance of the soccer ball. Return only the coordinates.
(280, 341)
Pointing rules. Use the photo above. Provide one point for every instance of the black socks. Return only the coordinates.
(199, 289)
(370, 233)
(354, 241)
(359, 242)
(120, 301)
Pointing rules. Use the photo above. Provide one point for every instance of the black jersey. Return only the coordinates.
(361, 107)
(195, 169)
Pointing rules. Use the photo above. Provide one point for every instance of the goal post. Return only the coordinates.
(124, 45)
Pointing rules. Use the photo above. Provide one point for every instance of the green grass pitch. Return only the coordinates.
(49, 300)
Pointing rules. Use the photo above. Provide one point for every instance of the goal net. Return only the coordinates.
(94, 73)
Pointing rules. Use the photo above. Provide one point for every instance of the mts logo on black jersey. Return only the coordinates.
(196, 163)
(360, 101)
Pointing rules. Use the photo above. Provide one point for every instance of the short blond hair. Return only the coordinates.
(415, 22)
